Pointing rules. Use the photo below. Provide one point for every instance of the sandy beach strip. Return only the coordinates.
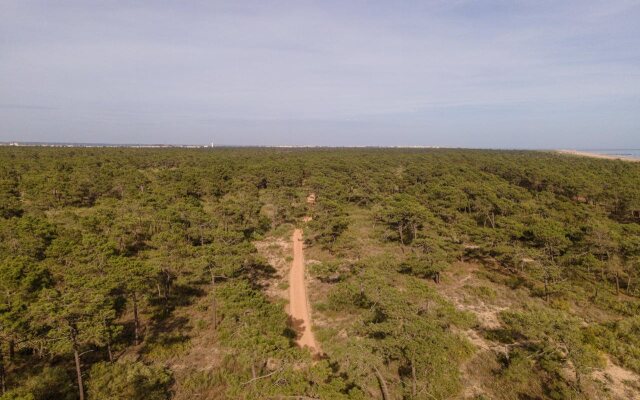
(595, 155)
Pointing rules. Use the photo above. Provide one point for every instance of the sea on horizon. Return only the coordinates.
(631, 153)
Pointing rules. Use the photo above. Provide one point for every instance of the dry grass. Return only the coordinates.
(276, 251)
(468, 287)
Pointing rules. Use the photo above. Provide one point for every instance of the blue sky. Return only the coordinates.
(513, 73)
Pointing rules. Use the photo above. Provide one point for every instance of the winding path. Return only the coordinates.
(299, 308)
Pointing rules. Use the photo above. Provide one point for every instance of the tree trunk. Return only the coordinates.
(40, 349)
(165, 294)
(136, 320)
(414, 384)
(254, 375)
(546, 288)
(109, 352)
(76, 356)
(214, 306)
(3, 384)
(106, 327)
(384, 390)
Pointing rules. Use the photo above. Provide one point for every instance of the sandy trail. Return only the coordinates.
(298, 301)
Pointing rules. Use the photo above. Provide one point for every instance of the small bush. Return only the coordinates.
(205, 384)
(53, 383)
(483, 292)
(284, 285)
(167, 345)
(128, 381)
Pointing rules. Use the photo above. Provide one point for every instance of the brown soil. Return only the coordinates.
(311, 198)
(299, 308)
(622, 383)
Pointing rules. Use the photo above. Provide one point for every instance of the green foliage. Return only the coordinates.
(405, 217)
(329, 222)
(428, 265)
(9, 194)
(149, 251)
(128, 381)
(51, 383)
(165, 346)
(206, 384)
(621, 339)
(329, 271)
(555, 340)
(484, 292)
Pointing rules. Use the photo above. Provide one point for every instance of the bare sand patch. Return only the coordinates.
(622, 383)
(595, 155)
(299, 307)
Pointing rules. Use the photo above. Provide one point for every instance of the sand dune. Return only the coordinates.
(595, 155)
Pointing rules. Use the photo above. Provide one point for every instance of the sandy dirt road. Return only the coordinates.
(298, 301)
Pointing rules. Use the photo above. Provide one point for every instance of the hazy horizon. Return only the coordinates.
(630, 151)
(495, 74)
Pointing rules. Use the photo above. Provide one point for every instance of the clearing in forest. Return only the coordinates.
(298, 301)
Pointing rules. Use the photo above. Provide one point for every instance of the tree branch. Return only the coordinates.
(260, 377)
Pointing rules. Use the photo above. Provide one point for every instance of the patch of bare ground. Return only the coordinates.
(203, 352)
(621, 383)
(311, 199)
(290, 280)
(478, 374)
(467, 286)
(277, 252)
(299, 306)
(318, 292)
(189, 348)
(595, 155)
(462, 285)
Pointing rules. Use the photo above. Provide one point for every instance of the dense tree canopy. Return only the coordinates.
(116, 264)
